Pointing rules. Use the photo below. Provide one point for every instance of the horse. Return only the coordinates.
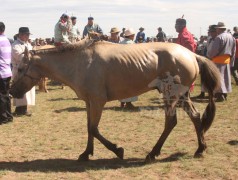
(99, 72)
(43, 81)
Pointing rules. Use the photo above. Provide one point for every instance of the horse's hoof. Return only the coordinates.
(198, 155)
(149, 159)
(83, 158)
(120, 153)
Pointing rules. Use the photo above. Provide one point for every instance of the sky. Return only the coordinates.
(41, 15)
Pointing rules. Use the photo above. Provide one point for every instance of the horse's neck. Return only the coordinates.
(60, 68)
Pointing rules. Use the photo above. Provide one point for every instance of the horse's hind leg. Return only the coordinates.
(189, 108)
(94, 115)
(170, 123)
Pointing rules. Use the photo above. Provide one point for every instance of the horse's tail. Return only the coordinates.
(210, 78)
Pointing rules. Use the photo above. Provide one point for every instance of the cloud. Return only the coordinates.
(41, 16)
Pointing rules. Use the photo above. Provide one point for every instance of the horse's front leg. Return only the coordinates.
(94, 114)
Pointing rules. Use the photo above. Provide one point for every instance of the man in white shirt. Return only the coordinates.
(18, 48)
(74, 34)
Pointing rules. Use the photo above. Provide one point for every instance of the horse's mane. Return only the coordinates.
(68, 47)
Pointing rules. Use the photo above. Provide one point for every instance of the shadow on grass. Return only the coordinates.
(62, 99)
(233, 142)
(68, 165)
(136, 109)
(173, 157)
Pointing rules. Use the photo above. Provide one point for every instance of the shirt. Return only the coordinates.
(74, 32)
(223, 44)
(60, 32)
(185, 39)
(5, 57)
(94, 28)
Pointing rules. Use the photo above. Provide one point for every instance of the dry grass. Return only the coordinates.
(47, 145)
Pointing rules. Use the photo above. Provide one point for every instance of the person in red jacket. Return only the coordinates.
(185, 38)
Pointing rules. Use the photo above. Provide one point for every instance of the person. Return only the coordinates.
(129, 39)
(62, 29)
(223, 55)
(185, 38)
(5, 77)
(122, 34)
(114, 35)
(18, 49)
(161, 36)
(235, 29)
(74, 34)
(201, 50)
(92, 27)
(235, 67)
(211, 36)
(140, 36)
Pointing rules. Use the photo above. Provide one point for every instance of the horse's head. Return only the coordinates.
(26, 76)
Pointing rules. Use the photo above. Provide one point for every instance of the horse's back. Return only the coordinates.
(128, 70)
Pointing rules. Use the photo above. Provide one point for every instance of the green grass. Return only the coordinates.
(47, 144)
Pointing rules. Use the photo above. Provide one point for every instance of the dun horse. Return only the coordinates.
(99, 72)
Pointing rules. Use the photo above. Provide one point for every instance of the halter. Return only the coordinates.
(29, 76)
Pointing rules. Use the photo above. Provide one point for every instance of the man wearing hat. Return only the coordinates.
(18, 48)
(5, 77)
(62, 29)
(223, 55)
(92, 27)
(114, 35)
(212, 34)
(140, 36)
(185, 38)
(129, 39)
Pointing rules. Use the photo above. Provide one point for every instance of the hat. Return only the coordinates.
(64, 15)
(73, 18)
(221, 25)
(180, 21)
(90, 18)
(129, 32)
(141, 28)
(24, 30)
(114, 30)
(212, 28)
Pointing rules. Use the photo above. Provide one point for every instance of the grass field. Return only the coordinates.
(47, 144)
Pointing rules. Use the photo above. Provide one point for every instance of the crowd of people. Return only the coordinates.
(218, 45)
